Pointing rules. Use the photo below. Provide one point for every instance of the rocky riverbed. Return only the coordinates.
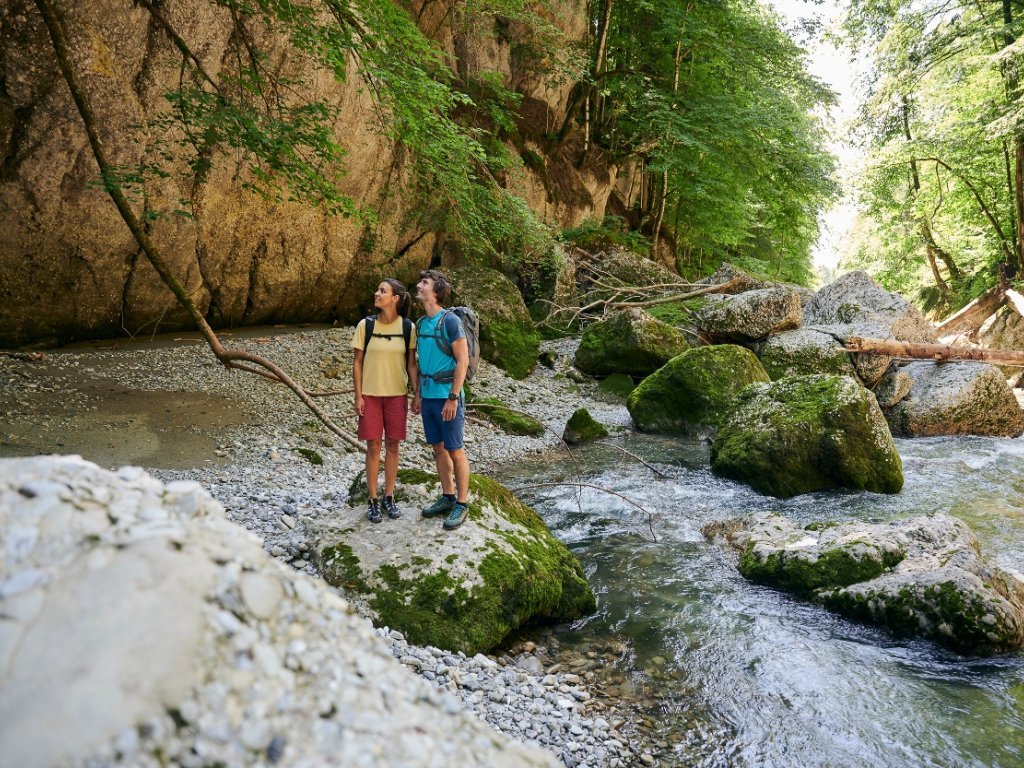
(173, 409)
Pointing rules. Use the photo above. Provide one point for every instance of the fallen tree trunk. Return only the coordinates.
(937, 352)
(973, 316)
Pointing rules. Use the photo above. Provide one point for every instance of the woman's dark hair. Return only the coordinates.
(404, 300)
(442, 288)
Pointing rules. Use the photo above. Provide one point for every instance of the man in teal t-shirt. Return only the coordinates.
(440, 400)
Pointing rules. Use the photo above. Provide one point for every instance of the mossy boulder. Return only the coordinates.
(807, 433)
(752, 315)
(802, 352)
(463, 590)
(582, 427)
(630, 342)
(508, 337)
(956, 399)
(921, 577)
(513, 423)
(691, 393)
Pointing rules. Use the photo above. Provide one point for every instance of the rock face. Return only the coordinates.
(1004, 330)
(807, 433)
(154, 631)
(69, 269)
(752, 315)
(918, 577)
(802, 352)
(692, 393)
(508, 337)
(956, 399)
(892, 388)
(463, 590)
(630, 342)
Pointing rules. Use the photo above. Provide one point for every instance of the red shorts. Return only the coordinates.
(383, 416)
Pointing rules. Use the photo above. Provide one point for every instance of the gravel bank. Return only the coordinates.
(263, 475)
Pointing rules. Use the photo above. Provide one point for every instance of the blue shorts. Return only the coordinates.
(439, 431)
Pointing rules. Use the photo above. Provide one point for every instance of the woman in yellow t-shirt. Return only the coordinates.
(385, 366)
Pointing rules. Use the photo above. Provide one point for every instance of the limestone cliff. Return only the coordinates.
(70, 269)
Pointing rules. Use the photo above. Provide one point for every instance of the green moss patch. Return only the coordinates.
(633, 343)
(513, 423)
(582, 427)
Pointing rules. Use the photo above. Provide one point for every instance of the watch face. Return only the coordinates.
(452, 396)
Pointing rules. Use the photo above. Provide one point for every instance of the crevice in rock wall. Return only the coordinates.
(400, 253)
(126, 288)
(254, 274)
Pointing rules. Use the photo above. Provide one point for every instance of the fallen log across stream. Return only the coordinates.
(938, 352)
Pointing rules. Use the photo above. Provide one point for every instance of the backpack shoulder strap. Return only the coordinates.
(407, 332)
(370, 321)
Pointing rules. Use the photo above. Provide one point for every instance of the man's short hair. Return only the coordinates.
(442, 288)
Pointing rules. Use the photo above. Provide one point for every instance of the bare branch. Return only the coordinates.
(650, 515)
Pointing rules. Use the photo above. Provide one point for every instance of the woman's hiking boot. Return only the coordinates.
(457, 516)
(391, 508)
(440, 506)
(373, 513)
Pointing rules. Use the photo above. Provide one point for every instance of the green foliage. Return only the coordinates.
(593, 235)
(940, 125)
(716, 96)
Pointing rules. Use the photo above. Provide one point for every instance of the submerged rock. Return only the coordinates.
(752, 315)
(693, 392)
(807, 433)
(462, 590)
(582, 427)
(918, 577)
(956, 398)
(630, 342)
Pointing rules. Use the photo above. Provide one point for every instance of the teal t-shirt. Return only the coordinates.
(431, 359)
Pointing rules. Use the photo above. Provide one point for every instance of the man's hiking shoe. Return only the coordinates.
(391, 508)
(457, 516)
(438, 507)
(373, 513)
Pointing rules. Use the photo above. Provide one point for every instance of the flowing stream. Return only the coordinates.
(741, 675)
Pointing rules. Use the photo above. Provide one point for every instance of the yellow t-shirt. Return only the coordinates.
(384, 373)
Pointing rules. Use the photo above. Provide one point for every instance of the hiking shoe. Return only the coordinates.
(457, 516)
(373, 513)
(391, 507)
(438, 507)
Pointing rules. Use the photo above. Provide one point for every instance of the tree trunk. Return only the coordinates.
(937, 352)
(971, 317)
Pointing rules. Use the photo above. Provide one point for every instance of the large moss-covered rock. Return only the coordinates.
(508, 337)
(630, 342)
(739, 280)
(807, 433)
(462, 590)
(692, 392)
(752, 315)
(956, 399)
(802, 352)
(921, 577)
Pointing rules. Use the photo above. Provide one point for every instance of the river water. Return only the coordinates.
(740, 675)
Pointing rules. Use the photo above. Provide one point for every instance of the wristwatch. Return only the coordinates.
(452, 396)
